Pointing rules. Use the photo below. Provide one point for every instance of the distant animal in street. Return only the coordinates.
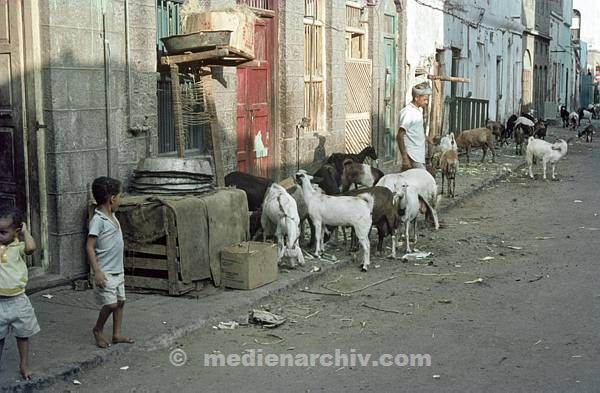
(539, 129)
(449, 164)
(510, 126)
(546, 152)
(519, 137)
(596, 111)
(477, 137)
(588, 132)
(498, 130)
(584, 114)
(564, 115)
(574, 119)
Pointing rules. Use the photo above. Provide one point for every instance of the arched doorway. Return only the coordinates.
(527, 87)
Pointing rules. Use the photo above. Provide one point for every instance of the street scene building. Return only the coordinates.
(197, 107)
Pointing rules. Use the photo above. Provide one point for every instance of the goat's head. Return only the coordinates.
(302, 174)
(370, 152)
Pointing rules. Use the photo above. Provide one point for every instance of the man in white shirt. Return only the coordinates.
(411, 135)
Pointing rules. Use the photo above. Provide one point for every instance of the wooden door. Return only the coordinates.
(12, 156)
(389, 140)
(253, 104)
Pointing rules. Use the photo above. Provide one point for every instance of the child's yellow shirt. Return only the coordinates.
(13, 269)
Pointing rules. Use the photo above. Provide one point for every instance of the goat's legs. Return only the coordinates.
(406, 234)
(415, 230)
(544, 162)
(443, 171)
(362, 233)
(553, 170)
(318, 237)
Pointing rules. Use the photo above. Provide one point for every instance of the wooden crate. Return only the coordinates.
(156, 265)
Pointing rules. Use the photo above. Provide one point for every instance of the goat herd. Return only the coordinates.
(385, 201)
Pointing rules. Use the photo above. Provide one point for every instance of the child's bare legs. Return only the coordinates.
(23, 346)
(105, 312)
(117, 321)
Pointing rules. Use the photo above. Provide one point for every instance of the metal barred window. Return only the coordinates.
(168, 22)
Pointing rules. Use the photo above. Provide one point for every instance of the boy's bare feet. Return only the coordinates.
(122, 339)
(26, 373)
(100, 340)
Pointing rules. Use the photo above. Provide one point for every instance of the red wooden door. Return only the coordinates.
(12, 163)
(254, 104)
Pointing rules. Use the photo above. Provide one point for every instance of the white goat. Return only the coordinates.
(411, 203)
(420, 178)
(448, 142)
(280, 218)
(338, 211)
(586, 115)
(574, 119)
(547, 152)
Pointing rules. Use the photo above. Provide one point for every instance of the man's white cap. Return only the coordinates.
(422, 89)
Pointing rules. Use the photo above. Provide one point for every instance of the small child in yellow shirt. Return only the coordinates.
(16, 312)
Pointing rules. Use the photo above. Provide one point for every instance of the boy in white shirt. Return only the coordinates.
(105, 252)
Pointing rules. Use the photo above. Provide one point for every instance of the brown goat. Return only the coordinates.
(449, 166)
(477, 137)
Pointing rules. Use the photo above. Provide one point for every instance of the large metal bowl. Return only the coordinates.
(176, 165)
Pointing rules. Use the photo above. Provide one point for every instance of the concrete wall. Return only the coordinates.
(488, 35)
(79, 131)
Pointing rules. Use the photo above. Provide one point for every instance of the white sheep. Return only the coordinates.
(547, 152)
(280, 218)
(338, 211)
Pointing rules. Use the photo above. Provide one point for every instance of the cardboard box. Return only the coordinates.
(241, 24)
(249, 265)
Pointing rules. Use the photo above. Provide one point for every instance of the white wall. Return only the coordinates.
(424, 34)
(498, 36)
(590, 15)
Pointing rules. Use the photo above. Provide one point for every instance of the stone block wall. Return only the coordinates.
(82, 131)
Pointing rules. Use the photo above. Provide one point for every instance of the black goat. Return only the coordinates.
(337, 159)
(564, 115)
(510, 125)
(539, 130)
(327, 178)
(255, 187)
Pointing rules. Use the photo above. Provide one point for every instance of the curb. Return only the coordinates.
(237, 312)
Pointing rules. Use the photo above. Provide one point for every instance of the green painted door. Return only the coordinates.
(389, 134)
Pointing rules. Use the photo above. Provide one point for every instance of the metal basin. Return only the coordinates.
(194, 42)
(175, 165)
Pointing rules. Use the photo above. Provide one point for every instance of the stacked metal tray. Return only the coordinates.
(172, 176)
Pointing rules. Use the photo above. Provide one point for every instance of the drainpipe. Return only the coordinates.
(128, 63)
(107, 91)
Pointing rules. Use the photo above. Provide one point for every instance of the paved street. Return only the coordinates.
(529, 325)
